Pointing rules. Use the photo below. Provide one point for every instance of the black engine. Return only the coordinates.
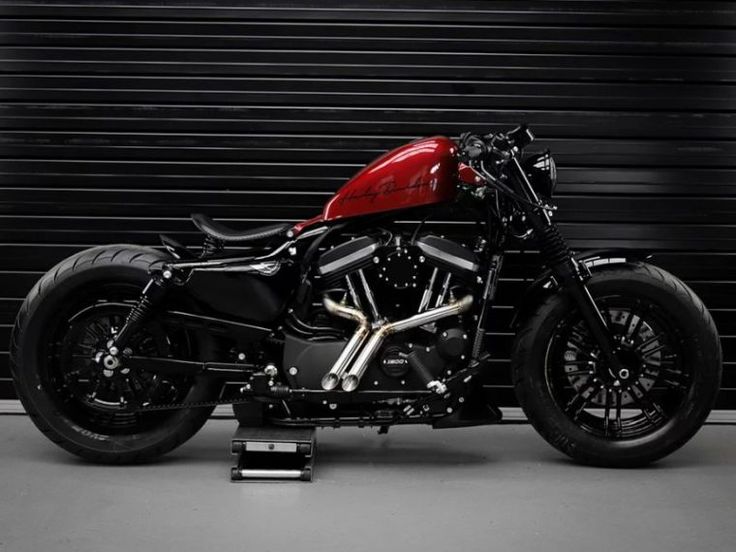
(390, 278)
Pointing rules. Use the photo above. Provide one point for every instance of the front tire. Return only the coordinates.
(669, 344)
(61, 322)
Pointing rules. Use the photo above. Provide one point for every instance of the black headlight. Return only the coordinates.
(542, 173)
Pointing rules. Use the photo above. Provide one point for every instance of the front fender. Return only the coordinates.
(544, 285)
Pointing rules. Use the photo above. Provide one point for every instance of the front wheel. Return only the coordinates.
(670, 353)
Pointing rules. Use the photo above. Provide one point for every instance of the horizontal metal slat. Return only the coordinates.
(371, 63)
(441, 93)
(363, 36)
(51, 120)
(630, 13)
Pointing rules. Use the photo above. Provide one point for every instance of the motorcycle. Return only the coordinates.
(357, 317)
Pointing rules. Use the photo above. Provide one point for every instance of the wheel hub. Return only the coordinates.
(630, 355)
(110, 362)
(629, 358)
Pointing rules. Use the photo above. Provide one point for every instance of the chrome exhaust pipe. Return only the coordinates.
(332, 378)
(351, 380)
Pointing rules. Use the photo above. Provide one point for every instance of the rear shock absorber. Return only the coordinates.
(151, 296)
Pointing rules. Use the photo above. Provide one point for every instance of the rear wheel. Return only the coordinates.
(57, 361)
(648, 407)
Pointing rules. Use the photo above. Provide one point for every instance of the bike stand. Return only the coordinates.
(269, 453)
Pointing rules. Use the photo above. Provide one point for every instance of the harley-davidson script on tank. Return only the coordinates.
(420, 173)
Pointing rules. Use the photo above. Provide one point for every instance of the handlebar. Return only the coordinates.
(475, 149)
(499, 149)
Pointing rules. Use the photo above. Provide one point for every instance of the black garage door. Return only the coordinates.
(120, 118)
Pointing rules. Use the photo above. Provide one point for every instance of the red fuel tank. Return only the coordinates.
(419, 173)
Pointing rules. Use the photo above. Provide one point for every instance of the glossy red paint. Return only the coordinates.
(419, 173)
(466, 175)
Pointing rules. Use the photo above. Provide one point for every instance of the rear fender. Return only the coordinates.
(595, 260)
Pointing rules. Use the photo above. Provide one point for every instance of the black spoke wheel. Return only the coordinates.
(103, 400)
(655, 398)
(639, 397)
(83, 403)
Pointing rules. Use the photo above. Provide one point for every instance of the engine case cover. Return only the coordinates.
(394, 362)
(305, 361)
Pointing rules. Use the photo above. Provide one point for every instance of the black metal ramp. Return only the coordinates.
(269, 453)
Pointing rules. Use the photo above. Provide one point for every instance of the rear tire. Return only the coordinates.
(62, 290)
(544, 380)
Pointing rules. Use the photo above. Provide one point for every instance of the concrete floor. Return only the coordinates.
(490, 488)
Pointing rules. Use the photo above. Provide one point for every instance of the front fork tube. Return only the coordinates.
(571, 277)
(151, 297)
(567, 271)
(573, 283)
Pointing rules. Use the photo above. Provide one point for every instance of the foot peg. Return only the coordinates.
(271, 453)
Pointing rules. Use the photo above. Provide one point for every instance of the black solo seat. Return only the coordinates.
(222, 233)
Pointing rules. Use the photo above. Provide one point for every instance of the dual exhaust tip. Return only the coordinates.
(363, 345)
